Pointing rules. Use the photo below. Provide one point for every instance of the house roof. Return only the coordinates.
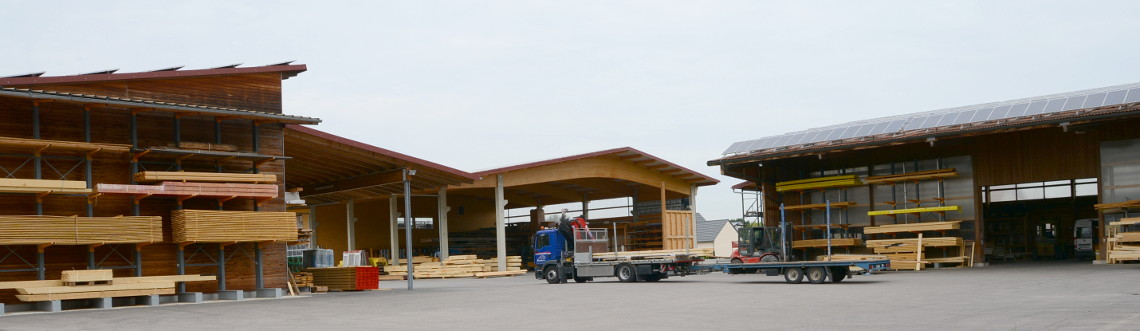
(628, 153)
(707, 230)
(152, 105)
(286, 69)
(1111, 101)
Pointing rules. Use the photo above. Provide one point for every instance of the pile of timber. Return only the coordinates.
(913, 227)
(73, 230)
(1123, 245)
(938, 209)
(912, 176)
(201, 146)
(464, 266)
(51, 186)
(88, 284)
(819, 183)
(908, 253)
(232, 226)
(303, 279)
(43, 144)
(835, 242)
(346, 278)
(187, 189)
(1118, 205)
(187, 176)
(656, 254)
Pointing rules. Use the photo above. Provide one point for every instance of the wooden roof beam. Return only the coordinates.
(351, 183)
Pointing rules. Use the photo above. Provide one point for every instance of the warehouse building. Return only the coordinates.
(983, 183)
(163, 172)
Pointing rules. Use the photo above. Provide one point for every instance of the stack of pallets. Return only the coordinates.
(346, 278)
(89, 284)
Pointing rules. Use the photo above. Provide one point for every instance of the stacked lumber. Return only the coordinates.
(906, 254)
(303, 279)
(851, 257)
(914, 210)
(208, 190)
(232, 226)
(818, 183)
(205, 146)
(911, 176)
(187, 176)
(655, 254)
(514, 263)
(490, 274)
(13, 185)
(1125, 204)
(1123, 245)
(913, 227)
(464, 266)
(346, 278)
(88, 284)
(73, 230)
(835, 242)
(841, 204)
(62, 145)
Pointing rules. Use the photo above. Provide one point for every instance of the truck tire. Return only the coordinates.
(816, 275)
(553, 274)
(838, 274)
(770, 258)
(793, 275)
(626, 273)
(736, 260)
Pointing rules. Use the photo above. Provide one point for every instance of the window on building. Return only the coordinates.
(422, 223)
(1040, 190)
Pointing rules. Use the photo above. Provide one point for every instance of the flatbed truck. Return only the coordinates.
(585, 257)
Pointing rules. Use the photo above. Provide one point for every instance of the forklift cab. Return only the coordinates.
(758, 244)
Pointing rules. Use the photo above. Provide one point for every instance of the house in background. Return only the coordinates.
(716, 234)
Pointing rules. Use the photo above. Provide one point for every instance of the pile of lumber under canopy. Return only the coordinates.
(87, 284)
(13, 185)
(818, 183)
(913, 227)
(232, 226)
(187, 176)
(206, 190)
(1123, 245)
(461, 266)
(908, 254)
(73, 230)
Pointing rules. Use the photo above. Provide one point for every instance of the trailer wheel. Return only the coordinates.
(553, 274)
(736, 260)
(626, 273)
(816, 275)
(793, 275)
(838, 274)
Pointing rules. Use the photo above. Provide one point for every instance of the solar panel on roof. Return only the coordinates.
(964, 117)
(783, 141)
(734, 148)
(864, 130)
(1034, 108)
(947, 119)
(879, 128)
(797, 138)
(1095, 100)
(1000, 113)
(895, 126)
(1075, 103)
(1115, 97)
(813, 137)
(1054, 106)
(931, 121)
(1133, 96)
(915, 123)
(835, 134)
(982, 115)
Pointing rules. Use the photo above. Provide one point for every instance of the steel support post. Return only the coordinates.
(260, 281)
(221, 267)
(408, 225)
(181, 256)
(441, 212)
(91, 257)
(500, 225)
(40, 263)
(138, 260)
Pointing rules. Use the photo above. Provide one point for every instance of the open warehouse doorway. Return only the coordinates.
(1038, 221)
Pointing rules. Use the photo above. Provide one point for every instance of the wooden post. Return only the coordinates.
(393, 232)
(693, 217)
(918, 254)
(666, 243)
(442, 210)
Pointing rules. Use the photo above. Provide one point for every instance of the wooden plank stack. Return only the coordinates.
(72, 230)
(233, 226)
(187, 176)
(818, 243)
(187, 189)
(912, 176)
(818, 183)
(206, 146)
(346, 278)
(913, 227)
(62, 145)
(1123, 245)
(13, 185)
(461, 266)
(303, 279)
(87, 284)
(907, 253)
(914, 210)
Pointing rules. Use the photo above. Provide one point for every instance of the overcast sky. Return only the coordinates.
(482, 84)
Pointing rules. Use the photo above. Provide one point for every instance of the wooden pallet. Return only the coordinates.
(187, 176)
(232, 226)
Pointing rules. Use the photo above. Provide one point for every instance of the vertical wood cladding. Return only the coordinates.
(64, 121)
(257, 92)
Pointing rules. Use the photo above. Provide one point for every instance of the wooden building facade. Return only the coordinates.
(1011, 178)
(102, 147)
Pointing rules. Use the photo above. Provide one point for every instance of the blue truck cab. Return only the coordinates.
(549, 245)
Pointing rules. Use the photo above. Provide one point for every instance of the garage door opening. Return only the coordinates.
(1037, 221)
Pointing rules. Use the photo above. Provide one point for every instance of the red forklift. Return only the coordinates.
(757, 244)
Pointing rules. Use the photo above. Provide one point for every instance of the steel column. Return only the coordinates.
(350, 223)
(221, 267)
(259, 280)
(500, 224)
(441, 212)
(40, 262)
(181, 255)
(138, 260)
(408, 224)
